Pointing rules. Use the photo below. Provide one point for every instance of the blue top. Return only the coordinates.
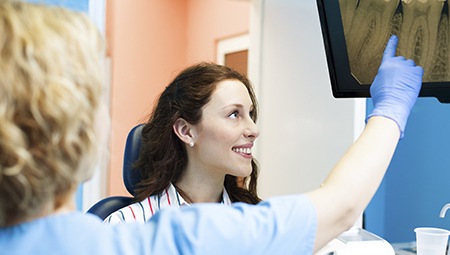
(283, 225)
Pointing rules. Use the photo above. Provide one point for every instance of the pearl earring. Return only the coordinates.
(191, 144)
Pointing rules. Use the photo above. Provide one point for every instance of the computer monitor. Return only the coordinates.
(355, 33)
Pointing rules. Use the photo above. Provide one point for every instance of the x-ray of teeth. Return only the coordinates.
(421, 25)
(347, 11)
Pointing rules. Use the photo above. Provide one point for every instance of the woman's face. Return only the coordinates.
(224, 138)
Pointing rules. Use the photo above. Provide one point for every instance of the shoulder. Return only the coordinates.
(130, 213)
(75, 233)
(142, 211)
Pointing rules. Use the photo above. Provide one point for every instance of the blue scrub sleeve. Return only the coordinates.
(282, 225)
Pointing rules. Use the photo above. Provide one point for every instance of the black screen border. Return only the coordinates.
(343, 83)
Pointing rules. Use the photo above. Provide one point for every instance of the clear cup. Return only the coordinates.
(431, 241)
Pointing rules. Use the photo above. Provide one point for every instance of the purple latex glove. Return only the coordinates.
(396, 87)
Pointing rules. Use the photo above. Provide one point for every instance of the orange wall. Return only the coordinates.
(212, 20)
(149, 42)
(144, 52)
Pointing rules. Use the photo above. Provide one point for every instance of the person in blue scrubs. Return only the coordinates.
(52, 132)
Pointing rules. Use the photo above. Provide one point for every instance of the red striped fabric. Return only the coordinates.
(144, 210)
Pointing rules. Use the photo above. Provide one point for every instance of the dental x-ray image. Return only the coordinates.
(356, 31)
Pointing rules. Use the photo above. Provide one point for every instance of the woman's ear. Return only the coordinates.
(184, 131)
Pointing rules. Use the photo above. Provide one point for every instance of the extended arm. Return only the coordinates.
(355, 178)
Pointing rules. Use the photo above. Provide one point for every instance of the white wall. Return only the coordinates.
(304, 130)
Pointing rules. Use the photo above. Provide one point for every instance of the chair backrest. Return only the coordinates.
(131, 176)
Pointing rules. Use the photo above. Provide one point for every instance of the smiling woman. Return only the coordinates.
(224, 137)
(197, 144)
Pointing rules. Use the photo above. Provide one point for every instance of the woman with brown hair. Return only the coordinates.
(197, 144)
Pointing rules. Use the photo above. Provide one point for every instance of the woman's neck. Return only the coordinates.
(198, 188)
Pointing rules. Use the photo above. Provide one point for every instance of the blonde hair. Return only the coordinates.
(50, 85)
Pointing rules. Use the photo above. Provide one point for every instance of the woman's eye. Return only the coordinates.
(234, 114)
(252, 114)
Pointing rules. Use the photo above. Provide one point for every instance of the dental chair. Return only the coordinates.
(131, 177)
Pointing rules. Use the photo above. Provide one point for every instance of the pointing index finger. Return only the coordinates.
(391, 47)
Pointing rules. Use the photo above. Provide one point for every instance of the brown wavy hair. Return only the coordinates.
(163, 155)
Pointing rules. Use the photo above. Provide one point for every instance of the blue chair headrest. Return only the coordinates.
(131, 175)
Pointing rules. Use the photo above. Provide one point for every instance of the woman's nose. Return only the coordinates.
(251, 130)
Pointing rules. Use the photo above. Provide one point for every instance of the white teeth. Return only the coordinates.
(243, 150)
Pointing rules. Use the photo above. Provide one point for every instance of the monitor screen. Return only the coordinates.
(355, 33)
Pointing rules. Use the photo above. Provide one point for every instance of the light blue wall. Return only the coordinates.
(417, 183)
(79, 5)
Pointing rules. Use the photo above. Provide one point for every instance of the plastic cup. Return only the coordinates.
(431, 241)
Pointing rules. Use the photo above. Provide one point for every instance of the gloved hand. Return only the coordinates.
(396, 87)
